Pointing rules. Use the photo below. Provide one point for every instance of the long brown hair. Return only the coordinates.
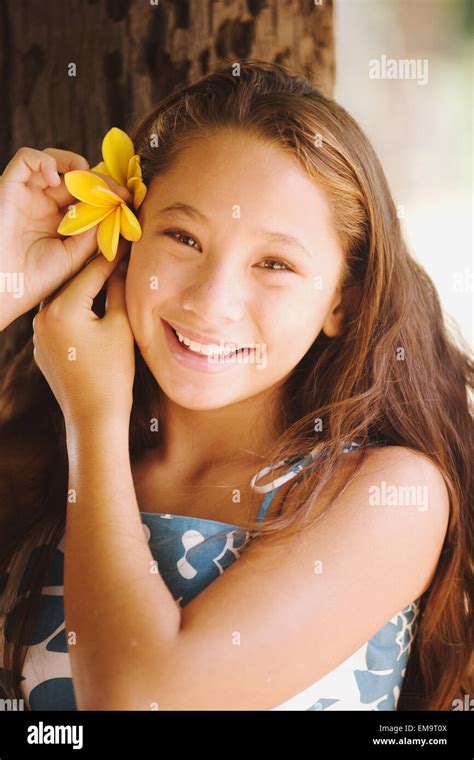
(354, 383)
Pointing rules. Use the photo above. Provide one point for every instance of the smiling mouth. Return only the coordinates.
(211, 350)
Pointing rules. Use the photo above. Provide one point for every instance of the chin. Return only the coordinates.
(197, 402)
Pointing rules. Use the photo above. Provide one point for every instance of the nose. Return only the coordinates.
(217, 295)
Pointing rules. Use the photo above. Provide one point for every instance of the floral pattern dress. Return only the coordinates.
(191, 553)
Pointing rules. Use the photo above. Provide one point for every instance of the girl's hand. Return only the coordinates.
(88, 361)
(33, 200)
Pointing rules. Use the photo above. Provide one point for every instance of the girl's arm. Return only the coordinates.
(123, 617)
(265, 630)
(270, 626)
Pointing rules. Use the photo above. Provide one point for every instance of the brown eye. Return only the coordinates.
(282, 266)
(178, 235)
(182, 237)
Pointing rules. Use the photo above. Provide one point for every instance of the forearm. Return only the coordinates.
(124, 617)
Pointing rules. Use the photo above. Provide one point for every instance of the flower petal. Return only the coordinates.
(134, 168)
(101, 168)
(139, 195)
(139, 190)
(91, 189)
(117, 150)
(108, 235)
(129, 225)
(85, 216)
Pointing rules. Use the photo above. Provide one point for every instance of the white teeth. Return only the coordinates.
(204, 349)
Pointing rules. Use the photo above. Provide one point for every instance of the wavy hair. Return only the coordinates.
(354, 383)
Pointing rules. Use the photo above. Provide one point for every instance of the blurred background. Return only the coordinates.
(71, 69)
(421, 132)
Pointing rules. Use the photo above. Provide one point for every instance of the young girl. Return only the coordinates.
(270, 381)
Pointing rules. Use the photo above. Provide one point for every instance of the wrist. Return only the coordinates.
(108, 430)
(98, 460)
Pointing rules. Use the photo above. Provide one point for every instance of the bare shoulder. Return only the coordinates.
(398, 507)
(407, 478)
(301, 607)
(390, 521)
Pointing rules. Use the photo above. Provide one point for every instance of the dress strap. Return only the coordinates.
(298, 464)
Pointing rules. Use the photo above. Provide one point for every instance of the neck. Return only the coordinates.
(198, 442)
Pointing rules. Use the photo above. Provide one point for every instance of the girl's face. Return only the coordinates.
(245, 256)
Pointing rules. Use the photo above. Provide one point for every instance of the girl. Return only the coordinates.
(270, 380)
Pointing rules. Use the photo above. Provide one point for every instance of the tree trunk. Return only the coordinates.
(71, 69)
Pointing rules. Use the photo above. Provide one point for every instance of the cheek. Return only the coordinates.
(292, 342)
(297, 317)
(151, 278)
(149, 290)
(141, 295)
(292, 328)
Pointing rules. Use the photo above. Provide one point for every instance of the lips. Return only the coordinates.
(203, 339)
(213, 353)
(200, 362)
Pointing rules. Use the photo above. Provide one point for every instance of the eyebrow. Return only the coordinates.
(271, 236)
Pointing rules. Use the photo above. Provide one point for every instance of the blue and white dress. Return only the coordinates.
(190, 553)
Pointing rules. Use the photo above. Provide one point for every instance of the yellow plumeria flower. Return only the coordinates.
(122, 164)
(99, 204)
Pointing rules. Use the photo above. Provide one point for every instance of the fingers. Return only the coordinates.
(115, 300)
(28, 162)
(60, 194)
(62, 197)
(41, 169)
(46, 301)
(80, 248)
(118, 189)
(80, 292)
(66, 161)
(84, 287)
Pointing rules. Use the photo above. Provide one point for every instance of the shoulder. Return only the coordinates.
(398, 476)
(397, 508)
(389, 521)
(301, 607)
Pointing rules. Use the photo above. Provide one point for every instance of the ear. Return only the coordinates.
(344, 304)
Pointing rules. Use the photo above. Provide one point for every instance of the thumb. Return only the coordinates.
(57, 267)
(115, 300)
(80, 248)
(82, 290)
(116, 285)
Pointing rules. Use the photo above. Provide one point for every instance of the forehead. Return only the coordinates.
(231, 174)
